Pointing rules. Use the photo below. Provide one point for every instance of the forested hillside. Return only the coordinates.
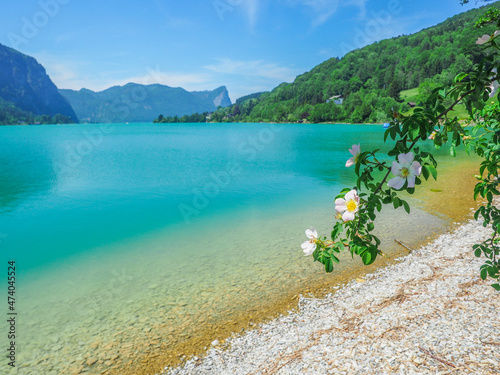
(27, 94)
(370, 79)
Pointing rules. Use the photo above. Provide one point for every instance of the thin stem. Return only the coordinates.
(455, 103)
(377, 163)
(382, 182)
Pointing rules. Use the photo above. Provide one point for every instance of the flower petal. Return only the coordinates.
(340, 207)
(348, 216)
(411, 181)
(355, 150)
(350, 162)
(308, 248)
(395, 168)
(396, 182)
(416, 168)
(485, 38)
(351, 195)
(311, 233)
(406, 159)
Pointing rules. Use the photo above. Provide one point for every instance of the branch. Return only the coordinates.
(437, 358)
(455, 103)
(382, 182)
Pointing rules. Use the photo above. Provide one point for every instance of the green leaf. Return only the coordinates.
(496, 286)
(367, 257)
(492, 271)
(433, 171)
(489, 196)
(386, 134)
(328, 265)
(484, 274)
(477, 252)
(406, 207)
(396, 202)
(425, 172)
(460, 77)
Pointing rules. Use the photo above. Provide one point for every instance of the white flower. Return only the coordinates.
(355, 151)
(348, 205)
(405, 170)
(484, 39)
(309, 246)
(487, 38)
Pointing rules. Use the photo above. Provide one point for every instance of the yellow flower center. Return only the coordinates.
(405, 172)
(351, 206)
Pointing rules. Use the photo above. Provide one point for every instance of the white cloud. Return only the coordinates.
(188, 81)
(67, 74)
(254, 68)
(241, 77)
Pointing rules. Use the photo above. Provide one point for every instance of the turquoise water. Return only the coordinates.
(59, 185)
(132, 233)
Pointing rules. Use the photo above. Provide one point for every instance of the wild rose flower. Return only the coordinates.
(487, 38)
(484, 39)
(309, 246)
(355, 151)
(348, 206)
(405, 170)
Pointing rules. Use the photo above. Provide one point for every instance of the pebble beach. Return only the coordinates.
(430, 313)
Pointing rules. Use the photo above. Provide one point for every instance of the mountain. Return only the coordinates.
(142, 103)
(27, 90)
(369, 80)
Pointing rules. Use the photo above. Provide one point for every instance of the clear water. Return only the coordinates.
(140, 233)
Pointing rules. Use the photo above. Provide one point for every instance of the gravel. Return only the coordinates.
(428, 314)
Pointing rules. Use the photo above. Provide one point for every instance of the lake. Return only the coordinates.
(136, 244)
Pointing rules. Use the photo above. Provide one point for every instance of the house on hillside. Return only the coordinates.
(337, 99)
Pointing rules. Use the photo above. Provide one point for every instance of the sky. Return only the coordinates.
(246, 45)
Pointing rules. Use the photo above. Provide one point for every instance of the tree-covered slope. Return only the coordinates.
(371, 78)
(27, 91)
(141, 103)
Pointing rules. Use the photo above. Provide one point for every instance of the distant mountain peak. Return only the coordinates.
(134, 102)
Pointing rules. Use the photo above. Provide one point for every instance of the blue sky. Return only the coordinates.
(246, 45)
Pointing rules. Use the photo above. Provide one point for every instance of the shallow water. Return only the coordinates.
(137, 242)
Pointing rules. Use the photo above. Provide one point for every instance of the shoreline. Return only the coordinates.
(429, 312)
(437, 204)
